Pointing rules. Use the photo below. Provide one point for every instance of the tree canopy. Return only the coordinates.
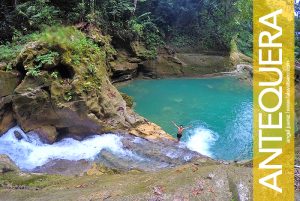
(200, 24)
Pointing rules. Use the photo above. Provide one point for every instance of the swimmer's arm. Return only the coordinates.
(175, 124)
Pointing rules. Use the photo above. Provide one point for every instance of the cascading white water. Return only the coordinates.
(200, 140)
(29, 152)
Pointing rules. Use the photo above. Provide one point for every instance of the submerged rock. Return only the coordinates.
(18, 135)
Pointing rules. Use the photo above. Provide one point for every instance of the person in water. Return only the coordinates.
(180, 130)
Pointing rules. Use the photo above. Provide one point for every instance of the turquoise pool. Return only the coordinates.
(218, 109)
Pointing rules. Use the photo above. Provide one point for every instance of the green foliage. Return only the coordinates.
(10, 50)
(118, 9)
(78, 13)
(38, 13)
(137, 27)
(91, 69)
(207, 24)
(48, 58)
(20, 39)
(75, 59)
(54, 74)
(88, 86)
(41, 60)
(40, 181)
(69, 38)
(146, 30)
(33, 71)
(244, 42)
(8, 68)
(68, 96)
(139, 24)
(233, 45)
(109, 49)
(244, 33)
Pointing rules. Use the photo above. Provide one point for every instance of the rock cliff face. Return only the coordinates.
(169, 63)
(8, 82)
(124, 67)
(58, 89)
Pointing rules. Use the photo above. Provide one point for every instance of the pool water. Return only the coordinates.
(218, 109)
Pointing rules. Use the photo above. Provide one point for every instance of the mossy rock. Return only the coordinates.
(98, 169)
(139, 50)
(8, 82)
(128, 99)
(67, 87)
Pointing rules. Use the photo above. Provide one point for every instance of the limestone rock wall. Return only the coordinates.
(64, 98)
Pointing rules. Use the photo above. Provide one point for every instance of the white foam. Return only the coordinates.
(200, 140)
(30, 152)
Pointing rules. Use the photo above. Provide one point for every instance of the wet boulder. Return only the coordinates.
(18, 135)
(47, 134)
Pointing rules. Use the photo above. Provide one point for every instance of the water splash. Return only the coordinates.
(200, 140)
